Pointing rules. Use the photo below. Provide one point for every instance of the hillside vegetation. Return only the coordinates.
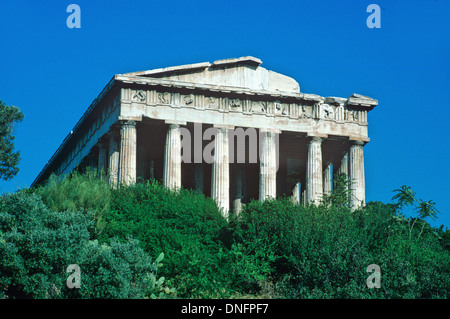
(145, 241)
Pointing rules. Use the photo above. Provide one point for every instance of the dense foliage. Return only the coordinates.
(9, 157)
(273, 249)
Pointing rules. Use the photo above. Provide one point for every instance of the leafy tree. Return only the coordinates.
(9, 159)
(405, 196)
(426, 209)
(340, 195)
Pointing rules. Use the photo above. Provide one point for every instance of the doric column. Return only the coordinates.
(303, 193)
(296, 194)
(268, 166)
(113, 153)
(327, 179)
(314, 179)
(172, 158)
(356, 174)
(127, 166)
(102, 165)
(220, 179)
(343, 167)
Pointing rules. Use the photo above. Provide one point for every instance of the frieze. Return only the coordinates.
(330, 111)
(139, 96)
(164, 98)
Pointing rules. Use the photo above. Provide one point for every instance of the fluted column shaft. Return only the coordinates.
(220, 178)
(268, 166)
(327, 179)
(172, 158)
(343, 167)
(127, 166)
(296, 194)
(114, 159)
(102, 159)
(356, 174)
(314, 179)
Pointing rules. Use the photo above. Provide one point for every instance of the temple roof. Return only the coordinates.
(244, 72)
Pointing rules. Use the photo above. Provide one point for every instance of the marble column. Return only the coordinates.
(314, 178)
(172, 158)
(327, 179)
(127, 165)
(102, 165)
(296, 194)
(356, 174)
(303, 193)
(113, 153)
(343, 167)
(268, 166)
(220, 179)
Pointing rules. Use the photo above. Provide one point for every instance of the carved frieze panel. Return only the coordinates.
(307, 111)
(211, 102)
(327, 112)
(235, 105)
(164, 98)
(260, 107)
(188, 100)
(281, 109)
(139, 96)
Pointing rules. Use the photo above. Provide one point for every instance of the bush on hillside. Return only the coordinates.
(323, 252)
(38, 244)
(78, 192)
(273, 249)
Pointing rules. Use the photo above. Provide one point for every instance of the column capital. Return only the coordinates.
(358, 140)
(316, 139)
(174, 126)
(127, 123)
(357, 143)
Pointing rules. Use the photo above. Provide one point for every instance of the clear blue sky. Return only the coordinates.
(53, 73)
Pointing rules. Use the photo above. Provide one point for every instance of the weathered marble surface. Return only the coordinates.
(228, 94)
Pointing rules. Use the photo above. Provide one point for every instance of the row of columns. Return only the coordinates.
(318, 181)
(121, 155)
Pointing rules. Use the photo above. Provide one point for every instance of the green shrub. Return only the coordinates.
(273, 249)
(78, 192)
(38, 244)
(184, 224)
(323, 252)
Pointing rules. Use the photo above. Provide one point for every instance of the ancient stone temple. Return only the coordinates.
(230, 129)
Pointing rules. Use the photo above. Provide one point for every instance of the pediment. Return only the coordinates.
(244, 72)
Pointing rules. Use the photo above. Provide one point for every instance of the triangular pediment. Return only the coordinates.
(244, 72)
